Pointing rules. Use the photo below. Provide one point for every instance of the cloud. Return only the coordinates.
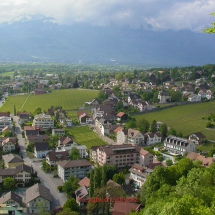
(153, 14)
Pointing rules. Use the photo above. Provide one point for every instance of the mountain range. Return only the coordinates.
(40, 39)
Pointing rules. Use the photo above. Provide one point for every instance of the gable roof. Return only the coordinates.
(12, 158)
(17, 169)
(84, 182)
(124, 208)
(133, 133)
(41, 146)
(11, 195)
(74, 163)
(38, 190)
(9, 139)
(120, 114)
(4, 114)
(199, 134)
(118, 129)
(66, 140)
(81, 192)
(56, 156)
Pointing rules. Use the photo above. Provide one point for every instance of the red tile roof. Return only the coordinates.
(120, 114)
(84, 182)
(118, 129)
(124, 208)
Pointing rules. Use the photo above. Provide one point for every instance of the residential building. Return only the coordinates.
(144, 105)
(66, 122)
(84, 118)
(53, 157)
(121, 116)
(44, 121)
(12, 160)
(152, 138)
(39, 91)
(163, 97)
(5, 121)
(11, 199)
(206, 161)
(23, 117)
(5, 209)
(125, 208)
(82, 195)
(21, 174)
(122, 136)
(121, 155)
(58, 132)
(78, 168)
(194, 98)
(35, 194)
(138, 174)
(9, 144)
(65, 141)
(135, 137)
(177, 145)
(197, 138)
(41, 149)
(36, 138)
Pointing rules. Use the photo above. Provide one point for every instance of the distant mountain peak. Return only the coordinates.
(36, 17)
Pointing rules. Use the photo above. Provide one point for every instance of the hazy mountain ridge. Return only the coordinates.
(41, 39)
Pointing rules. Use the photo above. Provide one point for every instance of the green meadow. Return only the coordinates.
(185, 118)
(69, 99)
(83, 135)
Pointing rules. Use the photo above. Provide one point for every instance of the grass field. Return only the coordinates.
(85, 136)
(186, 118)
(7, 74)
(69, 99)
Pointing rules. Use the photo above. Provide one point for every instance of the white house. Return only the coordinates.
(41, 149)
(152, 138)
(78, 168)
(177, 145)
(163, 97)
(5, 122)
(43, 120)
(38, 194)
(194, 98)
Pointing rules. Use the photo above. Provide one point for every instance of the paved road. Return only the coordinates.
(46, 179)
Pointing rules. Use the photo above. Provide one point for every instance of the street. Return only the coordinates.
(46, 179)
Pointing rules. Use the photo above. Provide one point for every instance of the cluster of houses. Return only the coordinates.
(14, 167)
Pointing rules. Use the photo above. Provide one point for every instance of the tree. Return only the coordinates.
(91, 190)
(143, 125)
(212, 29)
(97, 178)
(9, 183)
(30, 147)
(37, 111)
(169, 162)
(14, 110)
(75, 154)
(104, 175)
(41, 209)
(172, 131)
(75, 83)
(119, 178)
(7, 133)
(131, 124)
(67, 211)
(153, 128)
(163, 130)
(71, 204)
(71, 185)
(176, 96)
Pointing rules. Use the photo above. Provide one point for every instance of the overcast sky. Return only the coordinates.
(156, 14)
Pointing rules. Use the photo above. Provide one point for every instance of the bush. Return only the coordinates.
(60, 188)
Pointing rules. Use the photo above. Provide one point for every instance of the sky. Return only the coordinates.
(144, 14)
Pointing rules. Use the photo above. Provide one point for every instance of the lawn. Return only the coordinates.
(83, 135)
(7, 74)
(185, 118)
(69, 99)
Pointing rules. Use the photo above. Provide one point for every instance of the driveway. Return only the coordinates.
(58, 199)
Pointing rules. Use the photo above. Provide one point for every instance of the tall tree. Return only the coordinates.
(14, 110)
(163, 130)
(104, 175)
(143, 125)
(71, 185)
(91, 190)
(97, 178)
(153, 127)
(75, 154)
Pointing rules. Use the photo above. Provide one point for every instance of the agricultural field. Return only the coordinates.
(69, 99)
(185, 118)
(7, 74)
(83, 135)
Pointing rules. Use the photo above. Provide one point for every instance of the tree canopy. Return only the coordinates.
(212, 29)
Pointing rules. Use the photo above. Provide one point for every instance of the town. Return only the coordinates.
(48, 166)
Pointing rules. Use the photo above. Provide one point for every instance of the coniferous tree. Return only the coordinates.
(14, 110)
(104, 176)
(153, 126)
(91, 191)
